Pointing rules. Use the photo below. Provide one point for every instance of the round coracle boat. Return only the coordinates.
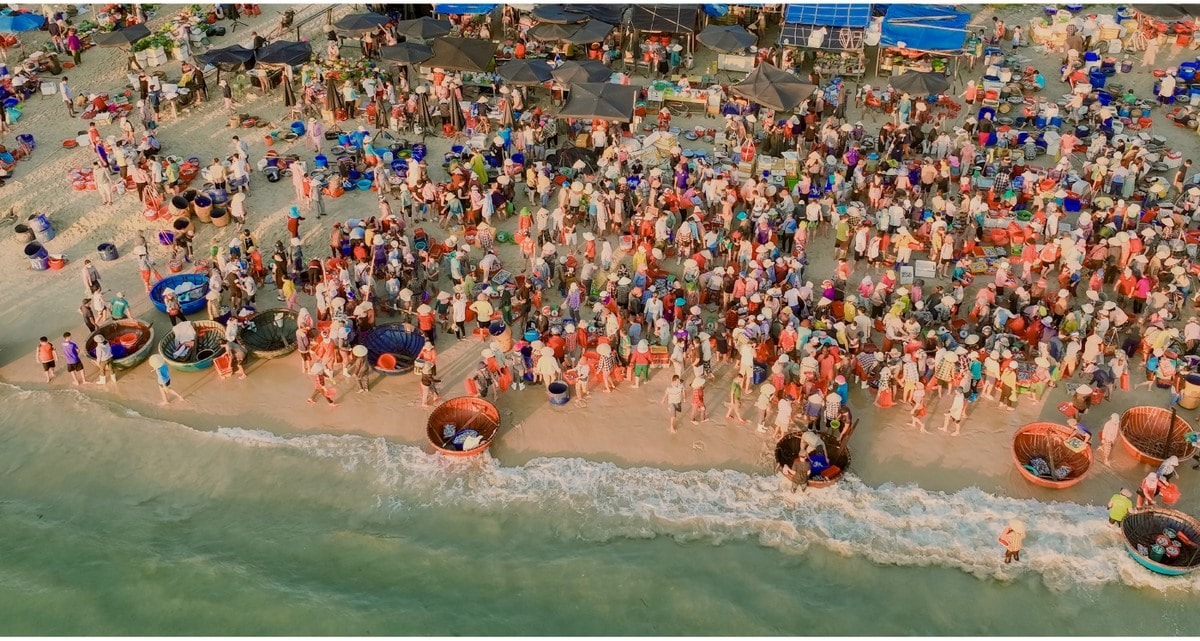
(1150, 436)
(392, 348)
(463, 426)
(824, 474)
(192, 345)
(1164, 541)
(1045, 455)
(131, 341)
(270, 333)
(190, 289)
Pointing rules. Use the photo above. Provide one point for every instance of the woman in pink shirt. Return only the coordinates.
(1141, 291)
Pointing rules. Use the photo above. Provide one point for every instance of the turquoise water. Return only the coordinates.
(118, 524)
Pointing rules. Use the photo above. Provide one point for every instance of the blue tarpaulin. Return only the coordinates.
(715, 10)
(924, 27)
(463, 9)
(829, 14)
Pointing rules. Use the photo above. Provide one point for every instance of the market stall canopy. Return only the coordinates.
(669, 18)
(576, 13)
(463, 9)
(410, 53)
(284, 52)
(726, 38)
(462, 54)
(1160, 11)
(838, 26)
(589, 32)
(557, 14)
(20, 22)
(357, 23)
(423, 28)
(525, 72)
(227, 59)
(121, 37)
(924, 28)
(920, 83)
(601, 100)
(773, 87)
(574, 72)
(552, 31)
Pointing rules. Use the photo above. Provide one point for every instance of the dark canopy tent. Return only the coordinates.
(601, 100)
(568, 156)
(462, 54)
(424, 118)
(357, 23)
(573, 72)
(552, 31)
(121, 37)
(284, 52)
(1168, 11)
(525, 72)
(227, 59)
(406, 53)
(920, 83)
(669, 18)
(773, 87)
(333, 97)
(726, 38)
(575, 13)
(589, 32)
(424, 28)
(845, 23)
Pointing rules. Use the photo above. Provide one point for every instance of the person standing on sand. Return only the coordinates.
(359, 369)
(322, 384)
(162, 374)
(673, 397)
(74, 363)
(698, 401)
(918, 409)
(1119, 506)
(104, 182)
(1013, 538)
(89, 316)
(735, 400)
(45, 357)
(429, 391)
(1108, 436)
(103, 361)
(91, 276)
(957, 412)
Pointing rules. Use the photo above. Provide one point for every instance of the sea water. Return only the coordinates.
(114, 523)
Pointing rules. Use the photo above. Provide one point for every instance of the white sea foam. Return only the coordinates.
(1069, 544)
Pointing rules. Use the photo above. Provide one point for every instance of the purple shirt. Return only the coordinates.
(70, 351)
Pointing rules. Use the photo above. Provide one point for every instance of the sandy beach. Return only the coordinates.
(913, 489)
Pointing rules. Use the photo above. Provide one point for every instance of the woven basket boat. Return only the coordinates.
(270, 333)
(1145, 434)
(466, 414)
(210, 343)
(1047, 441)
(192, 302)
(396, 345)
(1145, 527)
(131, 341)
(788, 449)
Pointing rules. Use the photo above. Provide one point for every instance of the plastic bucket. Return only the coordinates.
(35, 250)
(108, 251)
(203, 205)
(40, 225)
(386, 361)
(298, 128)
(560, 393)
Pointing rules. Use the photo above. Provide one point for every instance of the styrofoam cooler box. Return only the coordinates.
(1173, 159)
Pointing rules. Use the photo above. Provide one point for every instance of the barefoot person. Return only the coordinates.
(323, 386)
(45, 357)
(698, 401)
(163, 374)
(1013, 539)
(673, 397)
(957, 412)
(74, 363)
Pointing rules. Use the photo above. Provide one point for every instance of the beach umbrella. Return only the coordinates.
(381, 113)
(356, 23)
(506, 112)
(773, 87)
(556, 14)
(573, 72)
(591, 31)
(333, 97)
(552, 32)
(726, 38)
(226, 58)
(462, 54)
(121, 37)
(423, 116)
(21, 22)
(920, 83)
(284, 52)
(525, 72)
(406, 53)
(457, 120)
(424, 28)
(289, 93)
(601, 100)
